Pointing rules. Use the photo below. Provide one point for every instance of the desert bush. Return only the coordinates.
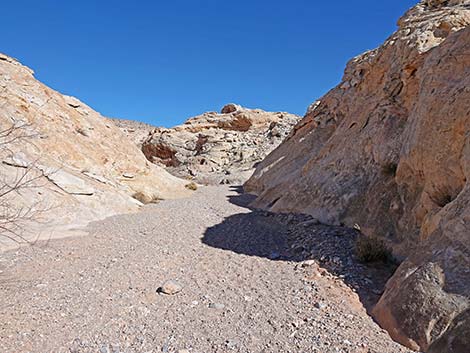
(14, 217)
(191, 186)
(145, 198)
(372, 249)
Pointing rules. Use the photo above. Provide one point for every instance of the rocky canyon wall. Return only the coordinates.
(77, 165)
(388, 149)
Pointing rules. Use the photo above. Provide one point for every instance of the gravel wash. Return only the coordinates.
(236, 285)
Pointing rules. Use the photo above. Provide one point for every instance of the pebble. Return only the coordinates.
(308, 263)
(231, 344)
(217, 306)
(310, 222)
(319, 305)
(170, 287)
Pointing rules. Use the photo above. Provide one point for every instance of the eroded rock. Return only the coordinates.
(72, 159)
(388, 149)
(219, 148)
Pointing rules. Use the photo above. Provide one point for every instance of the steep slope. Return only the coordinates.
(79, 166)
(389, 149)
(219, 148)
(136, 131)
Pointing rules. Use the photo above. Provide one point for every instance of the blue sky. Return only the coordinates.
(164, 61)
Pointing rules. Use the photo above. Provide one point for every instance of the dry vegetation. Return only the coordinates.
(372, 249)
(13, 216)
(146, 199)
(191, 186)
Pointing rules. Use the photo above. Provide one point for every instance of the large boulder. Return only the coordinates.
(230, 108)
(389, 149)
(219, 148)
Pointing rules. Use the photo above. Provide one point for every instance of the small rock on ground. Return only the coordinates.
(170, 287)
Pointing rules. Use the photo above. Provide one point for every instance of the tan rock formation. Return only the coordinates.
(82, 168)
(389, 149)
(219, 148)
(136, 131)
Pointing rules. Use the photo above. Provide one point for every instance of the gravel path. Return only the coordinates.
(243, 290)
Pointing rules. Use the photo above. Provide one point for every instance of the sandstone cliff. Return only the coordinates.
(80, 167)
(389, 149)
(219, 148)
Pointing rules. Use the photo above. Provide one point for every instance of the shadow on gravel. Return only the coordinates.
(241, 199)
(298, 237)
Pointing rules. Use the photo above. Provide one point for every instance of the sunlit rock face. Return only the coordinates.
(221, 147)
(82, 167)
(389, 149)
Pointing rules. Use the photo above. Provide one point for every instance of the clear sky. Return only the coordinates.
(164, 61)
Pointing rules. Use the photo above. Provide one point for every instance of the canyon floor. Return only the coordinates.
(247, 284)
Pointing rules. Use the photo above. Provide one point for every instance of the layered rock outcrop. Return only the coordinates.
(219, 148)
(389, 149)
(78, 167)
(136, 131)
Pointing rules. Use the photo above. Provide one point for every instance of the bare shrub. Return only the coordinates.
(372, 249)
(14, 216)
(145, 198)
(191, 186)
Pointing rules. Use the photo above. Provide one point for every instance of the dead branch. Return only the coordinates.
(14, 216)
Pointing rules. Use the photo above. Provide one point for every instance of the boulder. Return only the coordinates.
(230, 108)
(455, 339)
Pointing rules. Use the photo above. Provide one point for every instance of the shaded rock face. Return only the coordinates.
(82, 168)
(455, 339)
(219, 148)
(389, 149)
